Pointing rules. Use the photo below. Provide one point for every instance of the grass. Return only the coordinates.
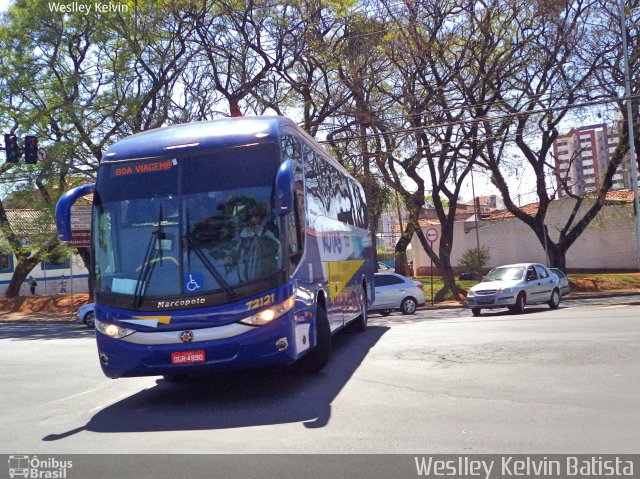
(438, 284)
(604, 281)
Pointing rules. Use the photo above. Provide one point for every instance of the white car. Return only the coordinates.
(396, 292)
(514, 286)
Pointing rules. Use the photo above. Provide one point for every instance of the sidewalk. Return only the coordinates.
(66, 318)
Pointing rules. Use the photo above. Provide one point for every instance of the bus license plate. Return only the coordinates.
(188, 357)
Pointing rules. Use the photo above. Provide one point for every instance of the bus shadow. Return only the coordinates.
(40, 331)
(239, 399)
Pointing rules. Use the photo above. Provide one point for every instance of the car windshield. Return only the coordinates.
(186, 225)
(508, 273)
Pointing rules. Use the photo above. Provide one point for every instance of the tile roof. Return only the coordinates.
(620, 196)
(28, 222)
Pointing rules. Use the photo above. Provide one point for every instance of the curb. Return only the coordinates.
(426, 307)
(571, 297)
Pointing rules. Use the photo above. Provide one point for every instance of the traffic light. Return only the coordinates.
(11, 148)
(30, 149)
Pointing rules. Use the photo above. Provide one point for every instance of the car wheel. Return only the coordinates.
(385, 312)
(475, 311)
(408, 305)
(317, 358)
(359, 325)
(554, 302)
(90, 319)
(521, 301)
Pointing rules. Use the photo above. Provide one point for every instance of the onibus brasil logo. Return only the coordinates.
(32, 467)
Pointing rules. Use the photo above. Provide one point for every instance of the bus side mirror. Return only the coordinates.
(284, 188)
(63, 209)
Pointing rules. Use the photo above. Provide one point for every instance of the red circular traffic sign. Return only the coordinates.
(432, 235)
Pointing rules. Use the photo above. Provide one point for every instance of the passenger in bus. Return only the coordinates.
(259, 246)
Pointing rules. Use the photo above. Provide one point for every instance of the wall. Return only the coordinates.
(608, 243)
(49, 279)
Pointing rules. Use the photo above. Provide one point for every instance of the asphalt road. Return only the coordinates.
(564, 381)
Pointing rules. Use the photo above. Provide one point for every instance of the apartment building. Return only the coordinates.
(582, 156)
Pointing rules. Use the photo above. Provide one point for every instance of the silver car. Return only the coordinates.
(565, 289)
(86, 315)
(396, 292)
(513, 286)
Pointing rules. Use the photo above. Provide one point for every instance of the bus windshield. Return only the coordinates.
(186, 225)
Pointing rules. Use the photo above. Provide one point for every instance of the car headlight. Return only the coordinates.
(113, 330)
(267, 315)
(504, 290)
(470, 294)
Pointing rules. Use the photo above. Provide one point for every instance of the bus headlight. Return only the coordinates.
(267, 315)
(113, 330)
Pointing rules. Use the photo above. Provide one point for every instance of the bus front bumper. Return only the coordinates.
(274, 343)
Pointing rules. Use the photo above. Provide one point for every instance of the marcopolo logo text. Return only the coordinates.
(181, 302)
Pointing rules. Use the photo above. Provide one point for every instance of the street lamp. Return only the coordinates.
(632, 146)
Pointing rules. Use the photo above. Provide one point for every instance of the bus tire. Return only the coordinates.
(359, 325)
(317, 358)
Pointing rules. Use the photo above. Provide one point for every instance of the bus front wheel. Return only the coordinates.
(359, 325)
(317, 358)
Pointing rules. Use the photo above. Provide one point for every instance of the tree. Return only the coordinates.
(563, 49)
(80, 82)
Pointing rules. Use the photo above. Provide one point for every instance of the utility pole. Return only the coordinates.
(632, 146)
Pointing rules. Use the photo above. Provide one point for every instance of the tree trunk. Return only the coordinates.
(25, 265)
(557, 256)
(442, 261)
(449, 285)
(20, 273)
(234, 108)
(401, 250)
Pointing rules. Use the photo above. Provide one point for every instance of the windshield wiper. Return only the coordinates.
(149, 262)
(191, 245)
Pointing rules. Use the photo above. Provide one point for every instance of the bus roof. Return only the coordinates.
(205, 135)
(198, 136)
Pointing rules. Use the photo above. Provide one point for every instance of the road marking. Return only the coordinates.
(614, 306)
(76, 395)
(111, 402)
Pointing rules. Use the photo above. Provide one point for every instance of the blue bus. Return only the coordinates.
(225, 244)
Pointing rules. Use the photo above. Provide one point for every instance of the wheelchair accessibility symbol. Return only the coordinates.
(193, 282)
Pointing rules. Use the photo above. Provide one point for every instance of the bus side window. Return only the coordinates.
(291, 151)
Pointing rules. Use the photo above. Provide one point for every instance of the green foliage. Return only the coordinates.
(474, 260)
